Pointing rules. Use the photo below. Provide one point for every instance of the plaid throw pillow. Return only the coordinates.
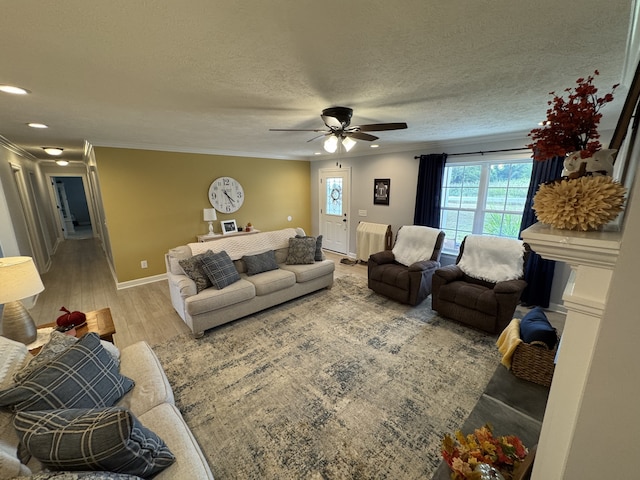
(220, 269)
(83, 376)
(92, 439)
(58, 343)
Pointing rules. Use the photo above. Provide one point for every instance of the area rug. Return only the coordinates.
(339, 384)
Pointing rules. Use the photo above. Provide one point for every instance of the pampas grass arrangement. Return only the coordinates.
(584, 203)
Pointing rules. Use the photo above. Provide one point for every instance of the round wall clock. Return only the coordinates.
(226, 194)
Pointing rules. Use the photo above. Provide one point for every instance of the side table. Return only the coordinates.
(99, 321)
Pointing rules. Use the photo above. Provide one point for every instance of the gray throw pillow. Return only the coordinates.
(92, 439)
(83, 376)
(220, 269)
(262, 262)
(301, 251)
(58, 343)
(318, 253)
(193, 269)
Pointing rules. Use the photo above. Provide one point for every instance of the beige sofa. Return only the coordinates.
(212, 307)
(150, 400)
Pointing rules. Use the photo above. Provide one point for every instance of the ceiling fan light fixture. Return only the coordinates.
(55, 151)
(331, 144)
(62, 163)
(348, 143)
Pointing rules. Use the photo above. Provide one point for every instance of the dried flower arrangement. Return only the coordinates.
(584, 203)
(572, 124)
(465, 455)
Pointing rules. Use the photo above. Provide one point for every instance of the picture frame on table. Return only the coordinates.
(228, 226)
(381, 189)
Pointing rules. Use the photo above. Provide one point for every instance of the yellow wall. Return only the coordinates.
(153, 201)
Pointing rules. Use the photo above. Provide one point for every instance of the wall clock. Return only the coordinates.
(226, 194)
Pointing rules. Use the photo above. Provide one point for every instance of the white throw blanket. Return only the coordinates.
(414, 243)
(494, 259)
(252, 244)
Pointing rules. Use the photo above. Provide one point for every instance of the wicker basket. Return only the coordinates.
(534, 362)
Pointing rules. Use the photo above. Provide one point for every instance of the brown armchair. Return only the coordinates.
(404, 273)
(476, 300)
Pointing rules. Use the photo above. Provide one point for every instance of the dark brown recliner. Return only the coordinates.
(482, 304)
(406, 284)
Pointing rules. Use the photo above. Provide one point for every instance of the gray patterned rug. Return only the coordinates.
(340, 384)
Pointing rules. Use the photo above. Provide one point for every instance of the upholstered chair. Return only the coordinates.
(404, 272)
(483, 288)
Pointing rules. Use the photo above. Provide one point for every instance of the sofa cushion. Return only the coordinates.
(192, 267)
(272, 281)
(213, 299)
(305, 273)
(302, 250)
(83, 376)
(110, 439)
(220, 269)
(262, 262)
(536, 327)
(14, 355)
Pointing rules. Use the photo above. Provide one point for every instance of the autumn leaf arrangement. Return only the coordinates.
(464, 454)
(572, 122)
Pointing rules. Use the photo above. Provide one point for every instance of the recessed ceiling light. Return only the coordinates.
(62, 163)
(53, 150)
(318, 153)
(37, 125)
(14, 90)
(375, 145)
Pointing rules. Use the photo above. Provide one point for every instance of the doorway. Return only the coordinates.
(73, 209)
(335, 195)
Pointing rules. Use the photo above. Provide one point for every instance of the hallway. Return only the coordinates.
(80, 279)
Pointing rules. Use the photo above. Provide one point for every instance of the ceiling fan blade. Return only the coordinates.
(379, 127)
(296, 130)
(361, 136)
(318, 136)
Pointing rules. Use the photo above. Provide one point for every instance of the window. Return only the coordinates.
(483, 198)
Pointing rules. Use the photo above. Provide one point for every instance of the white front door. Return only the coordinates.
(334, 207)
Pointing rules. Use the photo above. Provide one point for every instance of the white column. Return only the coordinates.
(592, 257)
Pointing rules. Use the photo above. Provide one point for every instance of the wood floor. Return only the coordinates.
(80, 279)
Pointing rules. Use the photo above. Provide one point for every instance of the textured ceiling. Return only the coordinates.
(214, 76)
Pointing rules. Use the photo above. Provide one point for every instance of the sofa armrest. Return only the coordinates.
(424, 265)
(449, 273)
(182, 284)
(510, 286)
(386, 256)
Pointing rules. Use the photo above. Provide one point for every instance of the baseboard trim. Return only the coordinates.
(140, 281)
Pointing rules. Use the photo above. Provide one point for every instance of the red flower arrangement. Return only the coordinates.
(481, 447)
(572, 124)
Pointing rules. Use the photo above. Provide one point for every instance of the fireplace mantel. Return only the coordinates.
(592, 257)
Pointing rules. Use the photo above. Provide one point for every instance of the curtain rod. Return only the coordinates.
(482, 152)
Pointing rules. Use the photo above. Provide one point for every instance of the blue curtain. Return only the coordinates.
(538, 271)
(430, 173)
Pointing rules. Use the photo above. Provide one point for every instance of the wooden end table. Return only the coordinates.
(99, 321)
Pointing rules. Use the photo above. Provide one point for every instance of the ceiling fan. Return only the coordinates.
(340, 130)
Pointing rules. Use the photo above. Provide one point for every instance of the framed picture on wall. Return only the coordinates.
(228, 226)
(381, 188)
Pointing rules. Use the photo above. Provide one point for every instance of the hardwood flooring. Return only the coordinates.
(80, 279)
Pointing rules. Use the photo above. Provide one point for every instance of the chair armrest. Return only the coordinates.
(449, 273)
(386, 256)
(423, 265)
(510, 286)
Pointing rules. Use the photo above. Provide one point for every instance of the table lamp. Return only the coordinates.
(19, 279)
(210, 216)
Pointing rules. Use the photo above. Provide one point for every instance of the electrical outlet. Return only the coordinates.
(362, 213)
(143, 264)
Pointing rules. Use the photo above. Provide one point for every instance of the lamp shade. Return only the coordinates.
(210, 214)
(19, 279)
(348, 143)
